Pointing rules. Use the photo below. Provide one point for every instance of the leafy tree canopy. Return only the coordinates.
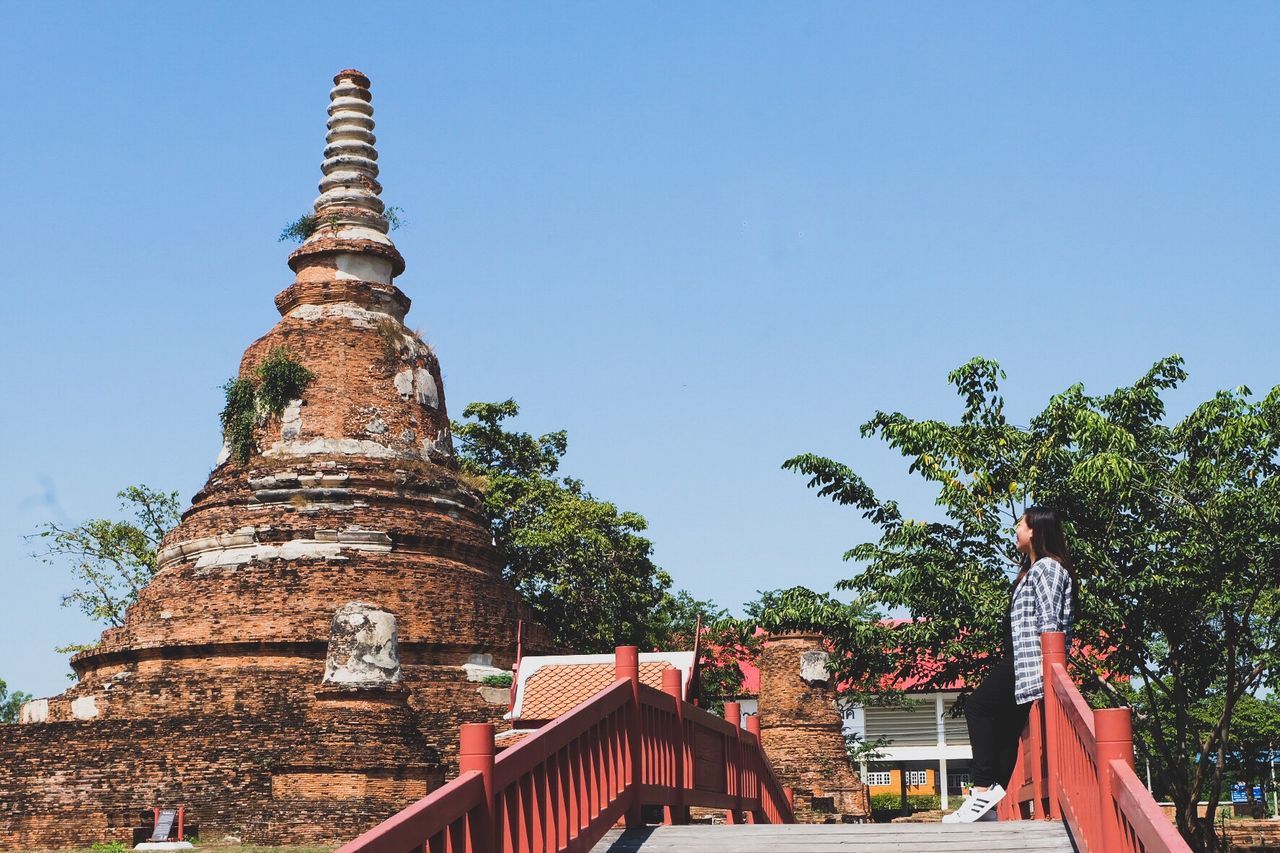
(1174, 528)
(580, 562)
(111, 560)
(10, 703)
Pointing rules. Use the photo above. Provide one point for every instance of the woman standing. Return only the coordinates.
(996, 712)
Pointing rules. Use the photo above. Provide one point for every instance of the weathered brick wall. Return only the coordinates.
(74, 783)
(800, 729)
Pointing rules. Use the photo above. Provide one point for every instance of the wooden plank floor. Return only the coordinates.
(1028, 835)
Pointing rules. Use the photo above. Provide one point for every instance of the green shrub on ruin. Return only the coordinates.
(251, 401)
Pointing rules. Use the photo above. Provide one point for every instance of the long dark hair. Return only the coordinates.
(1047, 540)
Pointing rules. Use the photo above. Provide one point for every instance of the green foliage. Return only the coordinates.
(299, 229)
(1175, 531)
(308, 223)
(240, 418)
(111, 560)
(110, 847)
(251, 401)
(889, 805)
(10, 703)
(580, 562)
(496, 680)
(280, 379)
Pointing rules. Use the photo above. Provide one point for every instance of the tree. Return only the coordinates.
(11, 703)
(725, 645)
(579, 562)
(1175, 530)
(111, 560)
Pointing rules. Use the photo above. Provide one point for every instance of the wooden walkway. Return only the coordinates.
(1033, 836)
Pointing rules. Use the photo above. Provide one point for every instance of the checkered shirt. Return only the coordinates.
(1042, 602)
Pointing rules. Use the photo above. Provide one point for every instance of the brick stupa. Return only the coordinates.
(801, 731)
(298, 667)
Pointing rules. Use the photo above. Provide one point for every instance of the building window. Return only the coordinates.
(915, 778)
(957, 781)
(879, 778)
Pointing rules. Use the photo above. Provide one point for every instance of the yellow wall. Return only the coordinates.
(894, 786)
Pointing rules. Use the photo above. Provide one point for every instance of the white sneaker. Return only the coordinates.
(953, 817)
(980, 803)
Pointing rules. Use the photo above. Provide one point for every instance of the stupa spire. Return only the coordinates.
(350, 216)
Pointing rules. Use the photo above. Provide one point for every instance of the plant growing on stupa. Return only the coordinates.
(251, 401)
(111, 560)
(308, 223)
(1175, 533)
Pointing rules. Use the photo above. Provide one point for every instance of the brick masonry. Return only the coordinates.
(800, 729)
(210, 695)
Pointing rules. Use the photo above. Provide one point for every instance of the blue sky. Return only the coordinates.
(700, 237)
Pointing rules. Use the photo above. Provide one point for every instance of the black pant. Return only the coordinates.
(995, 724)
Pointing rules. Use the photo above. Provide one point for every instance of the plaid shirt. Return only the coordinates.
(1041, 602)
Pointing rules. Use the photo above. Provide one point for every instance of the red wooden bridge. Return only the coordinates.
(631, 746)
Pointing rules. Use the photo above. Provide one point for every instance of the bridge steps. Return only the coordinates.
(1025, 835)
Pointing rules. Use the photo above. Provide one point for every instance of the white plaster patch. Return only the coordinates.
(441, 445)
(337, 446)
(377, 426)
(813, 667)
(425, 385)
(363, 267)
(283, 480)
(291, 420)
(355, 536)
(321, 479)
(84, 707)
(35, 711)
(359, 315)
(476, 672)
(329, 548)
(224, 454)
(362, 647)
(404, 383)
(194, 547)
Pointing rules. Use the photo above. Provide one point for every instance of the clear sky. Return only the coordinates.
(700, 237)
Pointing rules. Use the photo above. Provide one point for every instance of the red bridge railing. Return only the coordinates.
(1076, 764)
(562, 788)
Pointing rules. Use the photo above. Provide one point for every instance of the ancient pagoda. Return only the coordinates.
(299, 665)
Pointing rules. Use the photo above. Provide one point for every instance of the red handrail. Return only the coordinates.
(1076, 764)
(566, 785)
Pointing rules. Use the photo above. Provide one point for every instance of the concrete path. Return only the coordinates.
(1027, 835)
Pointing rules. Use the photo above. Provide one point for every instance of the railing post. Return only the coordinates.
(672, 685)
(475, 752)
(1053, 650)
(733, 760)
(753, 727)
(181, 825)
(626, 666)
(1114, 730)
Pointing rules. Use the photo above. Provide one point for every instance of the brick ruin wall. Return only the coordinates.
(801, 731)
(271, 764)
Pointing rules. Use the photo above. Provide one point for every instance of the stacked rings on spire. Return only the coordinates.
(349, 190)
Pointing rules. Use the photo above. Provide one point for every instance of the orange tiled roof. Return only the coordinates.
(511, 737)
(557, 688)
